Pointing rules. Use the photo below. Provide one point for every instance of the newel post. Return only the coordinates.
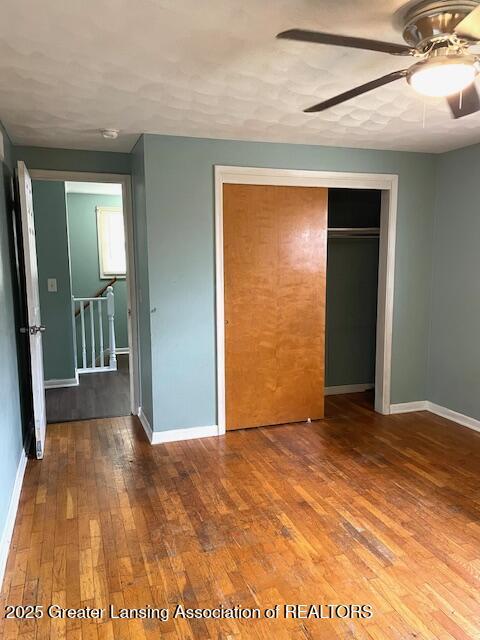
(111, 327)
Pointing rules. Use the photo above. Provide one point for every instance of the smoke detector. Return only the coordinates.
(109, 134)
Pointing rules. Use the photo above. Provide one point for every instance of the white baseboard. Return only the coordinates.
(460, 418)
(145, 424)
(189, 433)
(407, 407)
(12, 514)
(175, 435)
(348, 388)
(449, 414)
(61, 382)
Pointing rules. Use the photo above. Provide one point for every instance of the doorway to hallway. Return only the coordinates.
(82, 266)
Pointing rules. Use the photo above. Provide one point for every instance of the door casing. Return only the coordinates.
(125, 181)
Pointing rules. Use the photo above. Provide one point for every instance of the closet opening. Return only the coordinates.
(352, 294)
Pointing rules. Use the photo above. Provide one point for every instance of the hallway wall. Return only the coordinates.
(51, 228)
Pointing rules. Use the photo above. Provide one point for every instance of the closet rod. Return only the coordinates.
(353, 232)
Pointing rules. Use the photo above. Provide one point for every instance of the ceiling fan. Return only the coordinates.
(438, 33)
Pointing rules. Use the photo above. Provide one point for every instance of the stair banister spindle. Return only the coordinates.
(100, 332)
(96, 308)
(84, 346)
(92, 336)
(74, 327)
(111, 328)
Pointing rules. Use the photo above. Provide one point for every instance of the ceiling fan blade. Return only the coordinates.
(469, 27)
(352, 93)
(317, 37)
(464, 103)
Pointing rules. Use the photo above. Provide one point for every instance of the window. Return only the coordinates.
(111, 242)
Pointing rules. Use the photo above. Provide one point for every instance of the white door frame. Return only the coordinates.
(126, 182)
(388, 184)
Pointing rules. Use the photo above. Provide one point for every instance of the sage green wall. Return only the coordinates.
(181, 259)
(85, 268)
(141, 269)
(352, 276)
(435, 314)
(50, 211)
(454, 350)
(11, 437)
(73, 160)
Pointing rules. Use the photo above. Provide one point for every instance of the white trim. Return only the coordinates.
(175, 435)
(132, 311)
(126, 182)
(145, 424)
(330, 179)
(57, 383)
(438, 410)
(348, 388)
(12, 514)
(386, 281)
(407, 407)
(97, 369)
(189, 433)
(454, 416)
(304, 178)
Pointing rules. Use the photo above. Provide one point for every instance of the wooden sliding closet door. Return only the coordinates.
(275, 248)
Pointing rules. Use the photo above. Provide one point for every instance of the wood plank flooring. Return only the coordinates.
(99, 395)
(358, 508)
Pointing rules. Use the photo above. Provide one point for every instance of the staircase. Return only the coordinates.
(97, 317)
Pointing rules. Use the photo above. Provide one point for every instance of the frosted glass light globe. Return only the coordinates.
(445, 79)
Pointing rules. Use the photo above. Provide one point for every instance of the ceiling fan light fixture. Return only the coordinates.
(445, 77)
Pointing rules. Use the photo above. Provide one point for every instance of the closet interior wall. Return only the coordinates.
(352, 286)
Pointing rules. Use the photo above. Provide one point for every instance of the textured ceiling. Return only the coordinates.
(207, 68)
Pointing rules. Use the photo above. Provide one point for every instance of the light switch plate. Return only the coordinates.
(52, 285)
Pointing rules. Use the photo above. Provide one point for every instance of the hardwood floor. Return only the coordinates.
(99, 395)
(358, 508)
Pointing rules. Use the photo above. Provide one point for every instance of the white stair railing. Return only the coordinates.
(87, 309)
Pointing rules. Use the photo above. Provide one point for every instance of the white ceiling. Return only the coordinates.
(207, 68)
(96, 188)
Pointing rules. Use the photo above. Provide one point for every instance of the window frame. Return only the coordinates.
(100, 240)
